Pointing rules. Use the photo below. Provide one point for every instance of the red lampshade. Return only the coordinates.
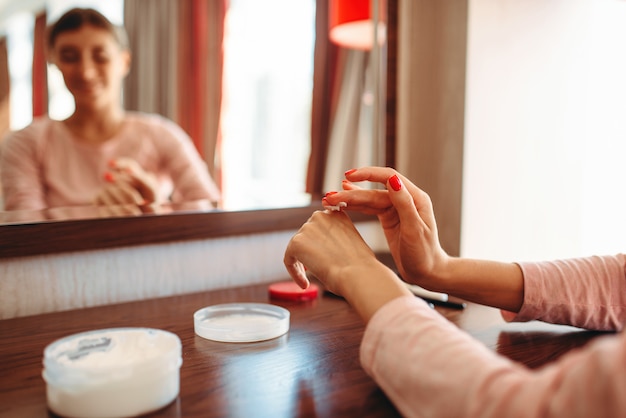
(351, 24)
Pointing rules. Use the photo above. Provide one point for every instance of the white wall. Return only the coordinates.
(544, 163)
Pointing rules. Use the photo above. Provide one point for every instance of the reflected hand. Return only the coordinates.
(130, 190)
(128, 170)
(119, 199)
(406, 216)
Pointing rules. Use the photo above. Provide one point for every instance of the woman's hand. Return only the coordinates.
(330, 248)
(406, 215)
(326, 244)
(129, 170)
(130, 190)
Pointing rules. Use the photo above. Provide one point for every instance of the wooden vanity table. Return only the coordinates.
(311, 371)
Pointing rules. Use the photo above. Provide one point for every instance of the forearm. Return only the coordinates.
(491, 283)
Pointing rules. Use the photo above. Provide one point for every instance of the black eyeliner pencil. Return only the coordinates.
(445, 304)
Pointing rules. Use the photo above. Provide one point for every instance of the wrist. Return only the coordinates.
(368, 287)
(442, 275)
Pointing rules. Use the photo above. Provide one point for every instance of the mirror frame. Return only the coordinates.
(20, 240)
(42, 238)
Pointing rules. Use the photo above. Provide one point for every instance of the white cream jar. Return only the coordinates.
(117, 372)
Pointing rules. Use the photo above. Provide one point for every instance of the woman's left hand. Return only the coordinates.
(327, 243)
(329, 247)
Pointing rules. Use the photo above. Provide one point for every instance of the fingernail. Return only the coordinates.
(329, 194)
(352, 170)
(108, 176)
(395, 183)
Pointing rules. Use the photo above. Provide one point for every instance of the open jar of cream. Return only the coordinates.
(116, 372)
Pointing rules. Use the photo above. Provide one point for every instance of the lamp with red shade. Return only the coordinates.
(355, 24)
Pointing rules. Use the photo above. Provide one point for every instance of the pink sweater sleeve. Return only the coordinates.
(588, 292)
(430, 368)
(20, 176)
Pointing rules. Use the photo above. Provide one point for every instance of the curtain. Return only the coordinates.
(325, 57)
(40, 68)
(151, 84)
(201, 67)
(391, 85)
(4, 88)
(177, 66)
(4, 96)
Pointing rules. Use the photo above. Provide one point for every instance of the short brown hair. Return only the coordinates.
(76, 18)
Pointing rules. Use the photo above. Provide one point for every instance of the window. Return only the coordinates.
(268, 80)
(19, 31)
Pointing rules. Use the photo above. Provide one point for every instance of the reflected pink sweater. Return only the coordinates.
(430, 368)
(45, 166)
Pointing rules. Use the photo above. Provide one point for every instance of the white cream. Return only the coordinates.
(337, 207)
(110, 373)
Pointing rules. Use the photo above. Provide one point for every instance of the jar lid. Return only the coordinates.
(289, 290)
(241, 322)
(104, 349)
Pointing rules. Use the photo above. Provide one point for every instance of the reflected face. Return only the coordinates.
(93, 65)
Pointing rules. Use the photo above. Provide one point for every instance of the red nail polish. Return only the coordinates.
(108, 176)
(329, 194)
(395, 183)
(347, 173)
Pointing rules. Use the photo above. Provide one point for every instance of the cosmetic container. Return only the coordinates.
(116, 372)
(289, 290)
(241, 322)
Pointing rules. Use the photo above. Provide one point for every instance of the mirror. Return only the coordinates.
(21, 239)
(251, 125)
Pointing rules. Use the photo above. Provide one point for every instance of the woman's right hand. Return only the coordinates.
(119, 198)
(406, 215)
(130, 190)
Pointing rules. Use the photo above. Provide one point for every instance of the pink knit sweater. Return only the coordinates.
(45, 166)
(430, 368)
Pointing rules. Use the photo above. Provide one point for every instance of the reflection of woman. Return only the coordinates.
(426, 365)
(101, 154)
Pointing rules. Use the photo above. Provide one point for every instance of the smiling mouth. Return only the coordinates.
(88, 89)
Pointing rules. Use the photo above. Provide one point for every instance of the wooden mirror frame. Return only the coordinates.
(18, 240)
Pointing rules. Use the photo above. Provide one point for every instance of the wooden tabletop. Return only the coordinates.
(311, 371)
